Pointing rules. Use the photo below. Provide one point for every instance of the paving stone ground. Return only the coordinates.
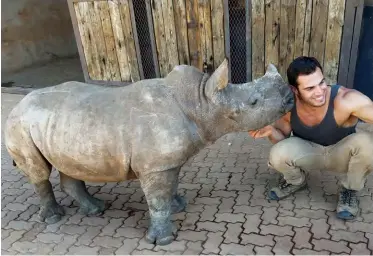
(227, 212)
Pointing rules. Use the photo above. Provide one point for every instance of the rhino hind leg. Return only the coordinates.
(160, 192)
(50, 211)
(89, 205)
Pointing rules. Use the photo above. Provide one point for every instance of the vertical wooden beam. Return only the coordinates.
(307, 27)
(217, 17)
(318, 31)
(227, 37)
(287, 34)
(113, 73)
(129, 39)
(258, 40)
(300, 27)
(272, 31)
(206, 36)
(181, 31)
(194, 34)
(333, 40)
(86, 10)
(120, 45)
(79, 32)
(169, 26)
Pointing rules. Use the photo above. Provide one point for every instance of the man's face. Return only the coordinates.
(312, 89)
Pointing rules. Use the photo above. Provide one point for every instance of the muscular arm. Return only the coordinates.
(359, 105)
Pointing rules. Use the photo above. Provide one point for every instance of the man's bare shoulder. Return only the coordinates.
(350, 99)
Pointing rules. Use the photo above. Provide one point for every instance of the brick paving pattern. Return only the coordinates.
(227, 212)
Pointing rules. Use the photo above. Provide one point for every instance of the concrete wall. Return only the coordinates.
(34, 32)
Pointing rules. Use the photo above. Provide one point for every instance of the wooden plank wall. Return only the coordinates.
(107, 39)
(188, 32)
(285, 29)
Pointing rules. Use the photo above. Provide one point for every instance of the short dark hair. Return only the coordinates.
(302, 65)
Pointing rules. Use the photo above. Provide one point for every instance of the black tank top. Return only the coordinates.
(327, 132)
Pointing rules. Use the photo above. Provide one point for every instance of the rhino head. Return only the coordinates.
(252, 105)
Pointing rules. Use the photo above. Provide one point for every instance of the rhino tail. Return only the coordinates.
(14, 163)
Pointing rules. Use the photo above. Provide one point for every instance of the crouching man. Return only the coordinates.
(322, 124)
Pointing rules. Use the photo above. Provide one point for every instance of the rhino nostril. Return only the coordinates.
(253, 101)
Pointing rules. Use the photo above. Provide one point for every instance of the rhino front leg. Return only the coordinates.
(77, 190)
(178, 202)
(160, 191)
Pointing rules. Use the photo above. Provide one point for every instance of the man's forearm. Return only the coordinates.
(276, 136)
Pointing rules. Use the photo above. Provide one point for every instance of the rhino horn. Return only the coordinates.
(218, 80)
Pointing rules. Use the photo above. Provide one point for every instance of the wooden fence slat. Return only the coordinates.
(159, 32)
(307, 28)
(98, 39)
(287, 34)
(217, 22)
(129, 39)
(258, 42)
(169, 27)
(83, 34)
(300, 27)
(333, 39)
(112, 60)
(120, 47)
(181, 31)
(84, 22)
(194, 34)
(206, 42)
(272, 31)
(318, 31)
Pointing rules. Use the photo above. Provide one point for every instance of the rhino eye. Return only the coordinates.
(253, 101)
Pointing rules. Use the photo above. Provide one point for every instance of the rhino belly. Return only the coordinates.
(82, 146)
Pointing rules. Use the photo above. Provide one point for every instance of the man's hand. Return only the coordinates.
(262, 133)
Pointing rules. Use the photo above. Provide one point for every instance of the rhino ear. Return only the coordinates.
(218, 80)
(271, 69)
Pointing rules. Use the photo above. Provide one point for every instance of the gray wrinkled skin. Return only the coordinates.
(146, 130)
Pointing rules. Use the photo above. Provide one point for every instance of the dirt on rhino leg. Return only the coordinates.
(77, 190)
(160, 190)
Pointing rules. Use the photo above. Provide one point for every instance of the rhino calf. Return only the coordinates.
(144, 131)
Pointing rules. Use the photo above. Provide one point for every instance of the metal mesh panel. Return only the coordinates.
(237, 30)
(143, 34)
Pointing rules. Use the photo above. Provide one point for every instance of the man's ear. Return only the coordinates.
(218, 80)
(294, 89)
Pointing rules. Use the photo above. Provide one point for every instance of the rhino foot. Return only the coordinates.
(92, 206)
(51, 213)
(178, 204)
(161, 233)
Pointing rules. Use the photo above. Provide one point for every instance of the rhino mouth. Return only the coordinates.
(288, 102)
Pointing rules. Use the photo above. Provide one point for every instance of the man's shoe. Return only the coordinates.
(285, 189)
(348, 205)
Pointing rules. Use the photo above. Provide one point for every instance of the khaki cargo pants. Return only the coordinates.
(353, 156)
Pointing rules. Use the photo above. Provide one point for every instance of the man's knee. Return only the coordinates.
(280, 154)
(362, 144)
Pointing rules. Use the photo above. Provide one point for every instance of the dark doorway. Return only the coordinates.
(363, 81)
